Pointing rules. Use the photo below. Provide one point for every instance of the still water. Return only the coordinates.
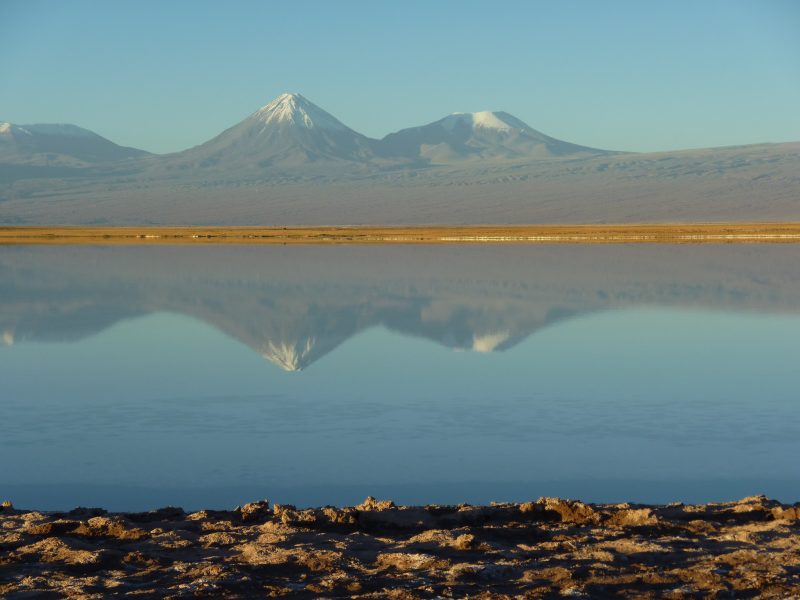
(138, 377)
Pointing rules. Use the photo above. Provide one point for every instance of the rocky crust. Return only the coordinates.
(544, 549)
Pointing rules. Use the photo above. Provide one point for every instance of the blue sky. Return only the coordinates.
(627, 75)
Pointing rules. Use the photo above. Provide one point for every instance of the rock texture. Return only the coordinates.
(549, 548)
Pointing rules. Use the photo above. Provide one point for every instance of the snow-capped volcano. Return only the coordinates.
(58, 143)
(482, 134)
(289, 131)
(500, 121)
(289, 356)
(294, 109)
(297, 354)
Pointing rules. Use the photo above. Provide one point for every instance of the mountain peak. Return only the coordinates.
(288, 132)
(291, 97)
(489, 342)
(484, 134)
(295, 109)
(287, 355)
(58, 144)
(499, 121)
(53, 129)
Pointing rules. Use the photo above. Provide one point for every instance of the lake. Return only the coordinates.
(135, 377)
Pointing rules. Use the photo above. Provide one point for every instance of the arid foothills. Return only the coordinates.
(292, 163)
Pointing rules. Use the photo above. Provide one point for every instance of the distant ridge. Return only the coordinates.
(479, 135)
(48, 143)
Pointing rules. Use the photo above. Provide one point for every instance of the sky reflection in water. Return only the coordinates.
(136, 377)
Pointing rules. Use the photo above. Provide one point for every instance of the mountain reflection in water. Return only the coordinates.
(295, 304)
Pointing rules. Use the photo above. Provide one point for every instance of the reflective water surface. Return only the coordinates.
(138, 377)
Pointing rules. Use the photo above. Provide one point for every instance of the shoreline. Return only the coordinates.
(545, 548)
(634, 233)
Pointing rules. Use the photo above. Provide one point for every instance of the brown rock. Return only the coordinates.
(569, 511)
(105, 527)
(548, 549)
(791, 513)
(254, 511)
(51, 528)
(632, 517)
(464, 541)
(405, 561)
(372, 504)
(53, 550)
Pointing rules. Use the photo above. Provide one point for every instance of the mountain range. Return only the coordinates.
(291, 131)
(291, 162)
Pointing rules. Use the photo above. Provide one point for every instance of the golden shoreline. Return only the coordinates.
(547, 548)
(661, 233)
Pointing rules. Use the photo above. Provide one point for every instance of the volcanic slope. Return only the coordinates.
(288, 132)
(58, 145)
(478, 135)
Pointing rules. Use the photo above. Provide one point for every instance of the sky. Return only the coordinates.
(623, 75)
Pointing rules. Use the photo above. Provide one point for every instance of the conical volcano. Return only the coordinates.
(289, 131)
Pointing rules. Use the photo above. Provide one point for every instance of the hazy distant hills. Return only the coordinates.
(58, 144)
(479, 135)
(291, 162)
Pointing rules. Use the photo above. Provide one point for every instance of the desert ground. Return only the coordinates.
(735, 184)
(548, 548)
(674, 233)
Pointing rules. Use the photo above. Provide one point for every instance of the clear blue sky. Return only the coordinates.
(630, 75)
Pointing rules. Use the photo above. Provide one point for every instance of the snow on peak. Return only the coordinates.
(58, 129)
(498, 121)
(296, 110)
(288, 356)
(11, 130)
(54, 129)
(488, 342)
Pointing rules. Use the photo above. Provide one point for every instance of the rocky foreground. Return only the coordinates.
(548, 548)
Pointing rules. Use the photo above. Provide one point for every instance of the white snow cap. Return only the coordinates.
(499, 121)
(57, 129)
(489, 341)
(46, 129)
(296, 110)
(289, 356)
